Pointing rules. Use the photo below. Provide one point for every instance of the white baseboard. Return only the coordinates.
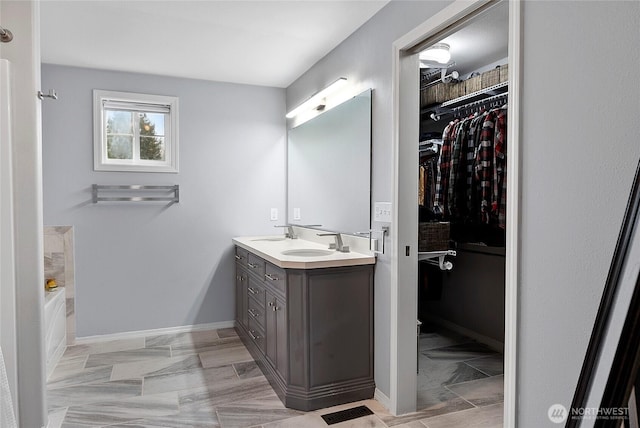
(382, 399)
(496, 345)
(154, 332)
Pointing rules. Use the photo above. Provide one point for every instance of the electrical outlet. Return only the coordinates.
(274, 214)
(296, 214)
(382, 212)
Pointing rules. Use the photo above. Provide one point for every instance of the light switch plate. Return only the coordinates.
(382, 212)
(296, 214)
(274, 214)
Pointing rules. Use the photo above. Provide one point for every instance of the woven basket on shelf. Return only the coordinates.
(433, 236)
(490, 78)
(473, 84)
(504, 73)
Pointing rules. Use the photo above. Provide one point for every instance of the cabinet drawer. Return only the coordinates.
(256, 265)
(276, 277)
(241, 255)
(255, 291)
(256, 332)
(256, 312)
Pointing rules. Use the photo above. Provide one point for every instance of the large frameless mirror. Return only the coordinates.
(329, 168)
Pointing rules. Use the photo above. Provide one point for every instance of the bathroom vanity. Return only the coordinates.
(306, 315)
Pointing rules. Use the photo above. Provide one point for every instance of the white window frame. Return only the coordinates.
(137, 102)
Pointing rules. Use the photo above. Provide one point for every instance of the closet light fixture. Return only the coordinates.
(438, 53)
(317, 99)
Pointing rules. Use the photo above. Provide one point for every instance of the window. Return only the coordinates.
(135, 132)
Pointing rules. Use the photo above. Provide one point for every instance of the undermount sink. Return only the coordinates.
(275, 238)
(307, 252)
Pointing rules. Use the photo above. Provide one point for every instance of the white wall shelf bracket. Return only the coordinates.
(438, 257)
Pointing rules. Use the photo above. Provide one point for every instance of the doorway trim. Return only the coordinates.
(404, 263)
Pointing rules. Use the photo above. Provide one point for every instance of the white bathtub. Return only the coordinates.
(55, 322)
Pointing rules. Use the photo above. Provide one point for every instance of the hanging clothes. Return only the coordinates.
(499, 202)
(471, 188)
(421, 186)
(428, 171)
(458, 169)
(441, 202)
(471, 173)
(484, 166)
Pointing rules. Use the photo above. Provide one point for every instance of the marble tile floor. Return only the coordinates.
(208, 379)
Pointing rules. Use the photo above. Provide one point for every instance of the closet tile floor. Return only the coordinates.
(208, 379)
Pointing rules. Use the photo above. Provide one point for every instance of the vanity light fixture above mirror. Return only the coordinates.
(317, 100)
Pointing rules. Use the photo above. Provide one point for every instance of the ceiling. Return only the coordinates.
(484, 40)
(267, 43)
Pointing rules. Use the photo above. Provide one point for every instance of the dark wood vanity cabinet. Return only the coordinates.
(309, 330)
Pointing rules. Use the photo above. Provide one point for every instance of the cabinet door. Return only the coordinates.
(271, 329)
(282, 350)
(276, 332)
(241, 296)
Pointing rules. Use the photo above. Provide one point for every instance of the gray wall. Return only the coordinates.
(580, 146)
(145, 265)
(365, 59)
(473, 294)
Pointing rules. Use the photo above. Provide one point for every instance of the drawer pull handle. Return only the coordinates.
(252, 313)
(240, 278)
(275, 308)
(271, 303)
(253, 336)
(270, 277)
(252, 290)
(252, 265)
(238, 257)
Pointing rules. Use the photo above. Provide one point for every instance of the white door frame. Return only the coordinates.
(405, 92)
(8, 329)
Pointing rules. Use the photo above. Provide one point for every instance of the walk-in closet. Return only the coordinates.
(463, 149)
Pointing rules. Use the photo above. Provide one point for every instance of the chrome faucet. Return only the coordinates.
(338, 245)
(289, 233)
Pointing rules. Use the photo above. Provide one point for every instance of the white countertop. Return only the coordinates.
(270, 248)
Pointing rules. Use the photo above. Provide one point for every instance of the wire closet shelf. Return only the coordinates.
(488, 98)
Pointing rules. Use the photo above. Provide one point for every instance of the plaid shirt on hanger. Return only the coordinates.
(471, 183)
(441, 204)
(484, 166)
(458, 166)
(499, 202)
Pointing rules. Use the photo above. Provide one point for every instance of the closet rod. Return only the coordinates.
(455, 111)
(481, 102)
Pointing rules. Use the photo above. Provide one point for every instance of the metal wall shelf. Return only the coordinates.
(135, 193)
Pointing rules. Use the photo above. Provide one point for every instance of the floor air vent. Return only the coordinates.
(347, 415)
